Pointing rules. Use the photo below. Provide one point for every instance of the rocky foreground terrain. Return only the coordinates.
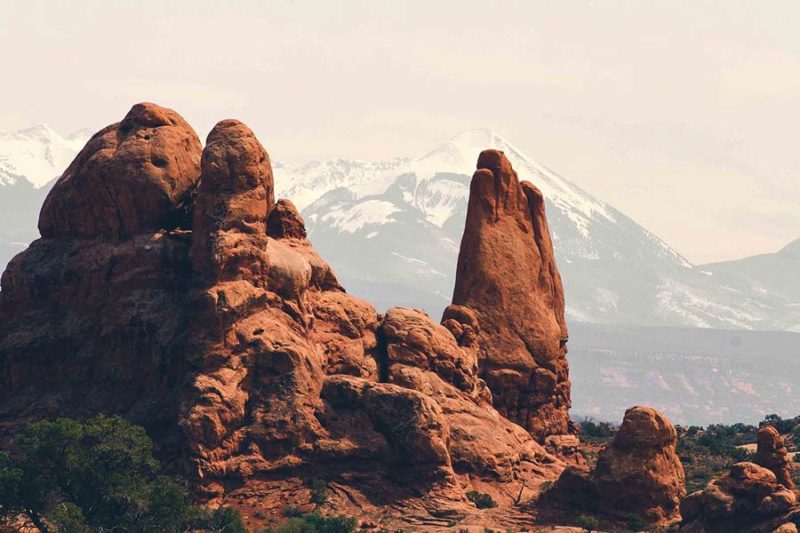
(170, 287)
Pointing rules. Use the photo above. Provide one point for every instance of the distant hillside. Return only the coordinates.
(695, 376)
(392, 230)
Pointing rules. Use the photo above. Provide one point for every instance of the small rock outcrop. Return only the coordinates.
(638, 473)
(285, 221)
(507, 277)
(773, 455)
(748, 498)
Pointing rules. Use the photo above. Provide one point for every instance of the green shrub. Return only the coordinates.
(591, 430)
(588, 522)
(99, 475)
(481, 500)
(292, 512)
(635, 522)
(316, 523)
(222, 520)
(319, 492)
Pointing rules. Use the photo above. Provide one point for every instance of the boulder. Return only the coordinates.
(749, 498)
(638, 473)
(132, 177)
(285, 222)
(772, 454)
(413, 339)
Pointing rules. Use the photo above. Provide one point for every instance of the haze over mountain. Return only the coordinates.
(30, 161)
(392, 229)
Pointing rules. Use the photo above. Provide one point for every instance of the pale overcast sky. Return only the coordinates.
(684, 115)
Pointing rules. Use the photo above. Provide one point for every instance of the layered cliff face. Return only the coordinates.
(169, 286)
(507, 276)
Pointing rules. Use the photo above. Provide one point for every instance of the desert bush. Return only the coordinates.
(319, 492)
(588, 522)
(316, 523)
(635, 522)
(591, 430)
(481, 500)
(69, 476)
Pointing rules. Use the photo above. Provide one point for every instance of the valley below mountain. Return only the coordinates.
(695, 376)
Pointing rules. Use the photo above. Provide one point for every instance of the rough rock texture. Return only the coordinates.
(234, 198)
(773, 455)
(285, 221)
(129, 179)
(170, 288)
(93, 314)
(748, 499)
(507, 276)
(638, 472)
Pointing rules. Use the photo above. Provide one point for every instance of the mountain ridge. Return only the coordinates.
(391, 228)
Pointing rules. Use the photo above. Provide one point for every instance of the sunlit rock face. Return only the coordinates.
(507, 276)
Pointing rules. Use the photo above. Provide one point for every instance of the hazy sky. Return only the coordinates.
(684, 115)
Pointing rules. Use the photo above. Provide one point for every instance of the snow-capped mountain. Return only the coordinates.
(37, 154)
(767, 277)
(30, 161)
(392, 230)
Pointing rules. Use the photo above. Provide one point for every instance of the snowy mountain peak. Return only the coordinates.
(37, 154)
(462, 150)
(38, 131)
(459, 155)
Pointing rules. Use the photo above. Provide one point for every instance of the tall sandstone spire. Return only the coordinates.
(507, 277)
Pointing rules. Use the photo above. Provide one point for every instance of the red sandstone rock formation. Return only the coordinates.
(773, 455)
(285, 221)
(231, 340)
(93, 314)
(507, 276)
(639, 472)
(128, 180)
(234, 198)
(748, 499)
